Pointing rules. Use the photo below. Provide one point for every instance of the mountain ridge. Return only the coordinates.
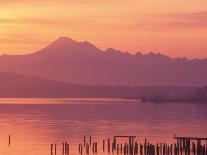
(64, 41)
(75, 62)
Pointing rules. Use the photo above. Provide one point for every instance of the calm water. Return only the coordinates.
(36, 123)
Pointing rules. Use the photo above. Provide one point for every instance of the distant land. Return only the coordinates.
(23, 86)
(82, 63)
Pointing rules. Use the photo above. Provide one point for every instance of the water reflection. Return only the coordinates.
(34, 127)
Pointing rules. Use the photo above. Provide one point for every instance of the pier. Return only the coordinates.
(129, 145)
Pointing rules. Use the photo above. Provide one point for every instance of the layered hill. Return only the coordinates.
(17, 85)
(14, 85)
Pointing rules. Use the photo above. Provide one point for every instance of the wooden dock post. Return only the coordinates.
(141, 149)
(117, 148)
(90, 139)
(9, 140)
(121, 149)
(125, 149)
(84, 140)
(157, 149)
(104, 145)
(96, 147)
(206, 149)
(80, 149)
(51, 149)
(63, 148)
(135, 148)
(203, 150)
(175, 151)
(87, 148)
(160, 148)
(109, 145)
(68, 149)
(93, 147)
(145, 146)
(55, 149)
(65, 151)
(198, 147)
(171, 149)
(114, 144)
(193, 148)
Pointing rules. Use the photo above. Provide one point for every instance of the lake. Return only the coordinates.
(36, 123)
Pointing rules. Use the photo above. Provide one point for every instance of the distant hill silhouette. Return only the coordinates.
(14, 85)
(70, 61)
(17, 85)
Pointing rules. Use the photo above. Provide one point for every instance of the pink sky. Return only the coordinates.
(176, 28)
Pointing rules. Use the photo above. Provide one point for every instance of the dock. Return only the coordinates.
(129, 145)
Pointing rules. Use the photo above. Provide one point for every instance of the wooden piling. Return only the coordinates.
(90, 139)
(157, 149)
(55, 149)
(104, 145)
(87, 148)
(117, 148)
(63, 151)
(51, 149)
(108, 145)
(135, 148)
(145, 146)
(68, 149)
(125, 149)
(141, 149)
(121, 149)
(9, 140)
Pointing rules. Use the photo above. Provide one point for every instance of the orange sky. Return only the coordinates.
(174, 27)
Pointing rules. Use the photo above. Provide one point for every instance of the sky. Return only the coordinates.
(177, 28)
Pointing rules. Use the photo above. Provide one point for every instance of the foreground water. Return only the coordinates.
(36, 123)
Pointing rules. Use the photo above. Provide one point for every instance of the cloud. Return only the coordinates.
(20, 38)
(33, 21)
(150, 21)
(180, 20)
(169, 22)
(10, 2)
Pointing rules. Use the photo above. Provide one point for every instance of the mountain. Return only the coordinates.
(66, 47)
(83, 63)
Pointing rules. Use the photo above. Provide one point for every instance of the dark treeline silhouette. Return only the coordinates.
(199, 95)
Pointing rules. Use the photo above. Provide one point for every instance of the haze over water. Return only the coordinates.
(33, 127)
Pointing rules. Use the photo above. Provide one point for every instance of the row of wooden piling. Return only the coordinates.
(92, 145)
(65, 148)
(109, 146)
(133, 148)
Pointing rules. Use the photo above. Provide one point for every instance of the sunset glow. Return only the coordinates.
(175, 28)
